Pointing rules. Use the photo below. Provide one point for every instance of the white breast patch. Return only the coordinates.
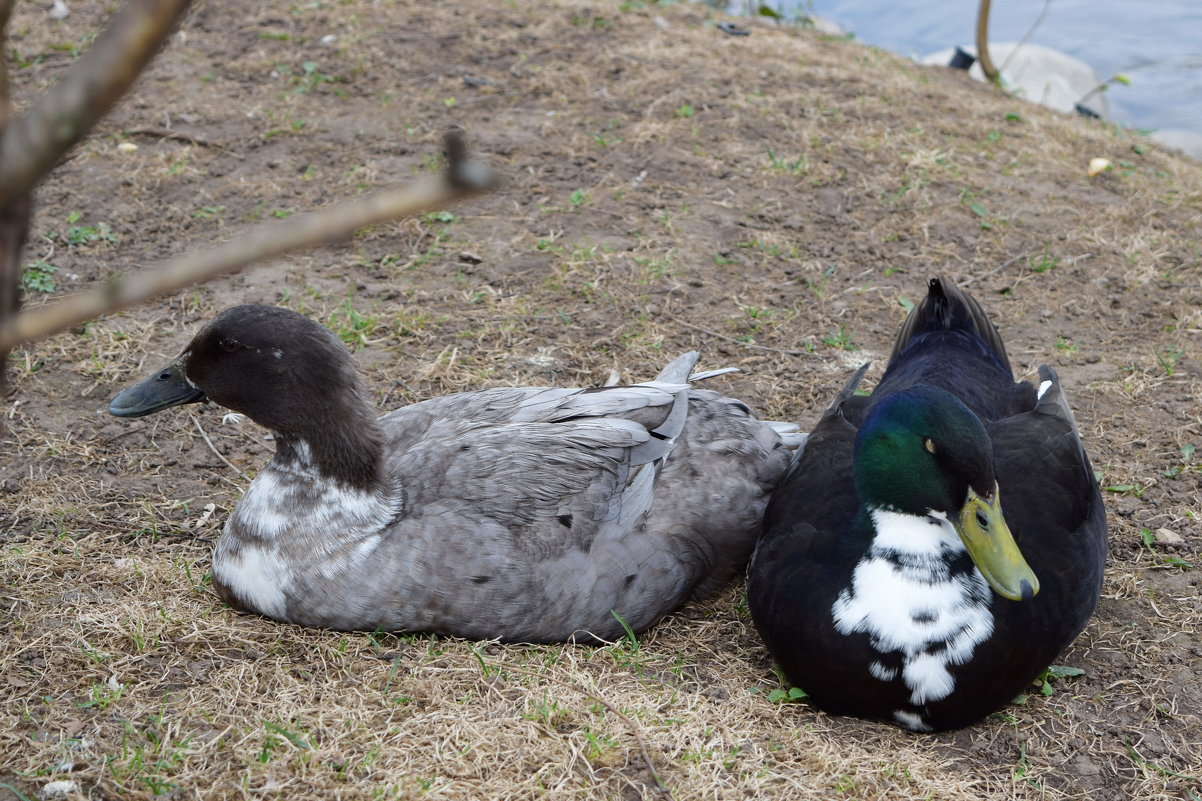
(905, 598)
(294, 526)
(255, 574)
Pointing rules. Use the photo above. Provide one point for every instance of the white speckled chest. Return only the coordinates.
(293, 524)
(907, 599)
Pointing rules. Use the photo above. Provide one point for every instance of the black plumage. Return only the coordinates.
(819, 531)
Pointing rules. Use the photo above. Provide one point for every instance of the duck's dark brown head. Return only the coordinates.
(282, 370)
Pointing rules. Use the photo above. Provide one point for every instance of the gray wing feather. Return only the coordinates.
(521, 454)
(553, 405)
(694, 377)
(677, 371)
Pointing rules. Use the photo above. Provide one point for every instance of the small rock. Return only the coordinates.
(58, 789)
(1165, 536)
(1098, 166)
(127, 147)
(59, 10)
(467, 257)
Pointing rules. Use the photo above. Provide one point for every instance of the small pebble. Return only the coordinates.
(127, 147)
(59, 788)
(1165, 536)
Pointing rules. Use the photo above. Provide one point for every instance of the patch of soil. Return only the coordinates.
(774, 201)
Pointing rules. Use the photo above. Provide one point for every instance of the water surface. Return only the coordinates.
(1158, 45)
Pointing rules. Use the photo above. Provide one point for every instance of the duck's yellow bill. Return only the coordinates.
(992, 547)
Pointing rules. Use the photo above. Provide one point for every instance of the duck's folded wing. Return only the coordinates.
(583, 456)
(1043, 472)
(816, 502)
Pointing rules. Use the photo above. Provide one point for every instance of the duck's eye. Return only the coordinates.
(229, 344)
(982, 520)
(929, 444)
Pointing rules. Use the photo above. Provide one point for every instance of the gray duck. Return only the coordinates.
(521, 514)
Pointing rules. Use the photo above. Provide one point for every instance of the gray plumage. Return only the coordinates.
(529, 514)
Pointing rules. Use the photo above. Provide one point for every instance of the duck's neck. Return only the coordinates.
(347, 449)
(931, 535)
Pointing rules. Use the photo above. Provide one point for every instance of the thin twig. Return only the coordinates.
(491, 95)
(463, 178)
(14, 218)
(1047, 5)
(209, 442)
(179, 136)
(737, 341)
(6, 10)
(997, 269)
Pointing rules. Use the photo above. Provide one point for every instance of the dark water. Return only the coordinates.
(1156, 43)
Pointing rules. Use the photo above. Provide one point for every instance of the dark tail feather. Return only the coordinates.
(949, 308)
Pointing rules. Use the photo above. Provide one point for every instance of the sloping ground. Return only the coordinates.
(773, 200)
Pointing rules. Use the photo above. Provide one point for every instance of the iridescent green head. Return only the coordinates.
(922, 451)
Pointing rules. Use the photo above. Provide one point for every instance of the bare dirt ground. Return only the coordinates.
(773, 200)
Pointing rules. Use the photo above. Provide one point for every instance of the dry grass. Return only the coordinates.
(670, 188)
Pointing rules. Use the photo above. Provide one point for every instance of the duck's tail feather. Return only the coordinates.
(791, 436)
(949, 308)
(790, 433)
(711, 373)
(679, 369)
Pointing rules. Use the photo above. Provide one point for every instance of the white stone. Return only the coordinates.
(59, 788)
(1039, 74)
(1188, 142)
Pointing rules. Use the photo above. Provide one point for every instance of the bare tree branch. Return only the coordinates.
(14, 218)
(14, 228)
(6, 10)
(464, 177)
(991, 73)
(34, 142)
